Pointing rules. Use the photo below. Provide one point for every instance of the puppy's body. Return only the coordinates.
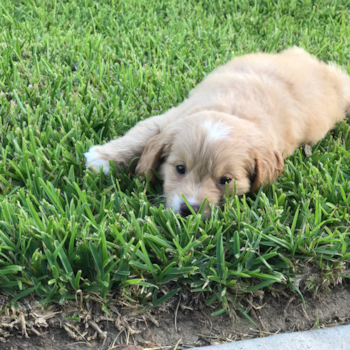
(237, 124)
(292, 97)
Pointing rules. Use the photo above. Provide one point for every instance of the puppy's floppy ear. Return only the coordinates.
(151, 156)
(268, 167)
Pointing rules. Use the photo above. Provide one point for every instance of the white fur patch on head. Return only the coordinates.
(216, 130)
(93, 161)
(176, 203)
(193, 200)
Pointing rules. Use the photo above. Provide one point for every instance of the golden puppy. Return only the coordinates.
(237, 124)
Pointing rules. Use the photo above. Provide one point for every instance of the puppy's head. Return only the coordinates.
(200, 155)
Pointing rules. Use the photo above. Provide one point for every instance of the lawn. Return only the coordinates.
(82, 72)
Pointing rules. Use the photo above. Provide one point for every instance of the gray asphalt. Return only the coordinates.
(334, 338)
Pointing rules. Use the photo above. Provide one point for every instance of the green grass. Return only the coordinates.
(63, 228)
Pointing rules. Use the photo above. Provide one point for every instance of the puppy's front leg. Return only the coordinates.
(123, 150)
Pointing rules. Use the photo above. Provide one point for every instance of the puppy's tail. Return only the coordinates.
(344, 82)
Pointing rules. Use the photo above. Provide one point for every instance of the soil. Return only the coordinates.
(273, 312)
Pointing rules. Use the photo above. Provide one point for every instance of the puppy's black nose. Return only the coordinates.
(185, 210)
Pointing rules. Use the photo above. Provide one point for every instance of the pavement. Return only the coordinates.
(334, 338)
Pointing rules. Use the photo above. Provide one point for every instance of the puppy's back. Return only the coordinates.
(293, 96)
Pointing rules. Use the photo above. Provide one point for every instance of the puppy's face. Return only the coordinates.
(202, 155)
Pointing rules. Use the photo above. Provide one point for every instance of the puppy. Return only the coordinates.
(237, 125)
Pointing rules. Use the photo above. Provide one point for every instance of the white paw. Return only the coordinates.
(94, 161)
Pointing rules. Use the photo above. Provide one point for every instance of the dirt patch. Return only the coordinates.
(273, 312)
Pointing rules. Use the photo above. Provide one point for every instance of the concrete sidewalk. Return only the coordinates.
(334, 338)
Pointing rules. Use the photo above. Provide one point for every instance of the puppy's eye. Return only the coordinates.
(224, 180)
(181, 169)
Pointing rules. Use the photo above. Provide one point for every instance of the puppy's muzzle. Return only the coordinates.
(185, 210)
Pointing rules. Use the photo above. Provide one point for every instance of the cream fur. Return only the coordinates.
(239, 122)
